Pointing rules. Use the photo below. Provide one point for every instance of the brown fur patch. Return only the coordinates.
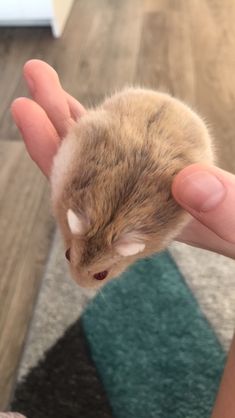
(126, 154)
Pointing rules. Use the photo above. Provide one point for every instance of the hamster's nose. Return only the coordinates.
(101, 275)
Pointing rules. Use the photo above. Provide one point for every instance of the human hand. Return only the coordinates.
(44, 121)
(208, 194)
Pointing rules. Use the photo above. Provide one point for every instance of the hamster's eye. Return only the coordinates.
(101, 275)
(67, 254)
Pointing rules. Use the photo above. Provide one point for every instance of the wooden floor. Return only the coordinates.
(186, 47)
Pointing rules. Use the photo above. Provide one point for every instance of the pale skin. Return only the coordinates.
(207, 193)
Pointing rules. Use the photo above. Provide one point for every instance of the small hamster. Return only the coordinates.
(111, 181)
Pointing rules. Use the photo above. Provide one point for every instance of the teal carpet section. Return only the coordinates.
(154, 350)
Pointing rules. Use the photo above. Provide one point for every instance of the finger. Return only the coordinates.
(76, 109)
(208, 193)
(198, 235)
(46, 90)
(40, 136)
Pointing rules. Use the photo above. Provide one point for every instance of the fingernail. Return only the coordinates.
(202, 191)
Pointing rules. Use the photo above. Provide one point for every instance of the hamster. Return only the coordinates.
(111, 181)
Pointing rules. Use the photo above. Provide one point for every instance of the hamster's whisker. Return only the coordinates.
(100, 292)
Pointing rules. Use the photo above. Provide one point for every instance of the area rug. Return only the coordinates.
(149, 345)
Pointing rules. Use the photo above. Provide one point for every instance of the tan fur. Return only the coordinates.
(115, 169)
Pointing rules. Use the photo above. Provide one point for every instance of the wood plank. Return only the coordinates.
(119, 64)
(96, 54)
(213, 43)
(152, 64)
(77, 56)
(154, 5)
(105, 51)
(166, 57)
(188, 50)
(16, 46)
(26, 230)
(180, 60)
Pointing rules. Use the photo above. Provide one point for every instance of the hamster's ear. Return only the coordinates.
(77, 223)
(129, 244)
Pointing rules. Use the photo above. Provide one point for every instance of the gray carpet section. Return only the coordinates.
(60, 303)
(211, 277)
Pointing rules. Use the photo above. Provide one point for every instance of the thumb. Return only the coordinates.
(208, 193)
